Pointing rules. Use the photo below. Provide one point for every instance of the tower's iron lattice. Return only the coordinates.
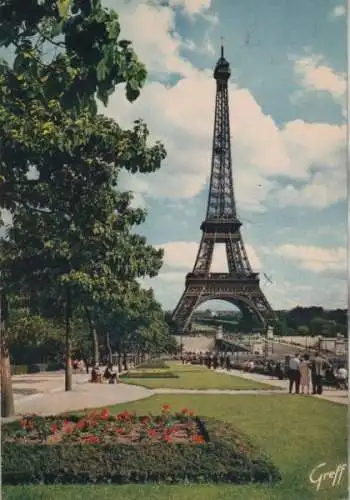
(240, 285)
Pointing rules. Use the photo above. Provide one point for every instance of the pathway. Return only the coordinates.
(48, 396)
(333, 395)
(44, 393)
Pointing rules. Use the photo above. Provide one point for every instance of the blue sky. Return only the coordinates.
(288, 124)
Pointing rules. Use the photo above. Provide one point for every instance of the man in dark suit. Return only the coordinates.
(318, 370)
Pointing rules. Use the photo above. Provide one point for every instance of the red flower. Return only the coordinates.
(198, 439)
(65, 422)
(53, 428)
(81, 424)
(105, 414)
(167, 438)
(125, 415)
(120, 430)
(165, 408)
(184, 411)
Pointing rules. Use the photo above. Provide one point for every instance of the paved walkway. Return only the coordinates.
(333, 395)
(44, 393)
(48, 396)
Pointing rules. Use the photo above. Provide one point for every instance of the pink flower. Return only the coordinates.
(91, 439)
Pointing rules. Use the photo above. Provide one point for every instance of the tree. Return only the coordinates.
(303, 330)
(60, 159)
(317, 325)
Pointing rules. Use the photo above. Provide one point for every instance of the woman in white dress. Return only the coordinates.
(305, 374)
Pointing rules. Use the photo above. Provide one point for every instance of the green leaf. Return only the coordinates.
(113, 29)
(57, 28)
(19, 63)
(131, 93)
(63, 8)
(101, 70)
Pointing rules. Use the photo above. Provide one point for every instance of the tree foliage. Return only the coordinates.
(72, 234)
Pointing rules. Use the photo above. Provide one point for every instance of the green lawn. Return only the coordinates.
(196, 377)
(297, 432)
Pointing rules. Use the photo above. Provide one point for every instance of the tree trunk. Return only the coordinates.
(119, 363)
(125, 362)
(7, 404)
(94, 338)
(68, 373)
(110, 353)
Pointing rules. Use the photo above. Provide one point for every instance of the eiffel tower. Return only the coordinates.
(240, 285)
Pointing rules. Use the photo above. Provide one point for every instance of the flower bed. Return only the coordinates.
(102, 428)
(99, 447)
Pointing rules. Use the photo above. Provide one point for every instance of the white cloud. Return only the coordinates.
(315, 75)
(182, 117)
(314, 258)
(192, 6)
(338, 11)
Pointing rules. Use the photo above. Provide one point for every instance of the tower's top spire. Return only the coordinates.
(222, 70)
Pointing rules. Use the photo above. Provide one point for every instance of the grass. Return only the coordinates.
(197, 377)
(297, 432)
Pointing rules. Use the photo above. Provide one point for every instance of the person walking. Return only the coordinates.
(305, 374)
(294, 374)
(318, 370)
(228, 361)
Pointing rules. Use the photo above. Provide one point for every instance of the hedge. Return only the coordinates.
(227, 457)
(144, 375)
(153, 363)
(19, 369)
(36, 368)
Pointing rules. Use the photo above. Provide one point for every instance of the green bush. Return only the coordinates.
(144, 375)
(153, 363)
(19, 369)
(227, 456)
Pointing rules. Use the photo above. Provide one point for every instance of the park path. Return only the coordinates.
(44, 393)
(331, 394)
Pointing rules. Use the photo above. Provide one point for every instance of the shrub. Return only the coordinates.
(19, 369)
(143, 375)
(153, 363)
(222, 454)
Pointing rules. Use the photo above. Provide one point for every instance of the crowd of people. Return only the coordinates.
(97, 375)
(305, 372)
(108, 375)
(302, 371)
